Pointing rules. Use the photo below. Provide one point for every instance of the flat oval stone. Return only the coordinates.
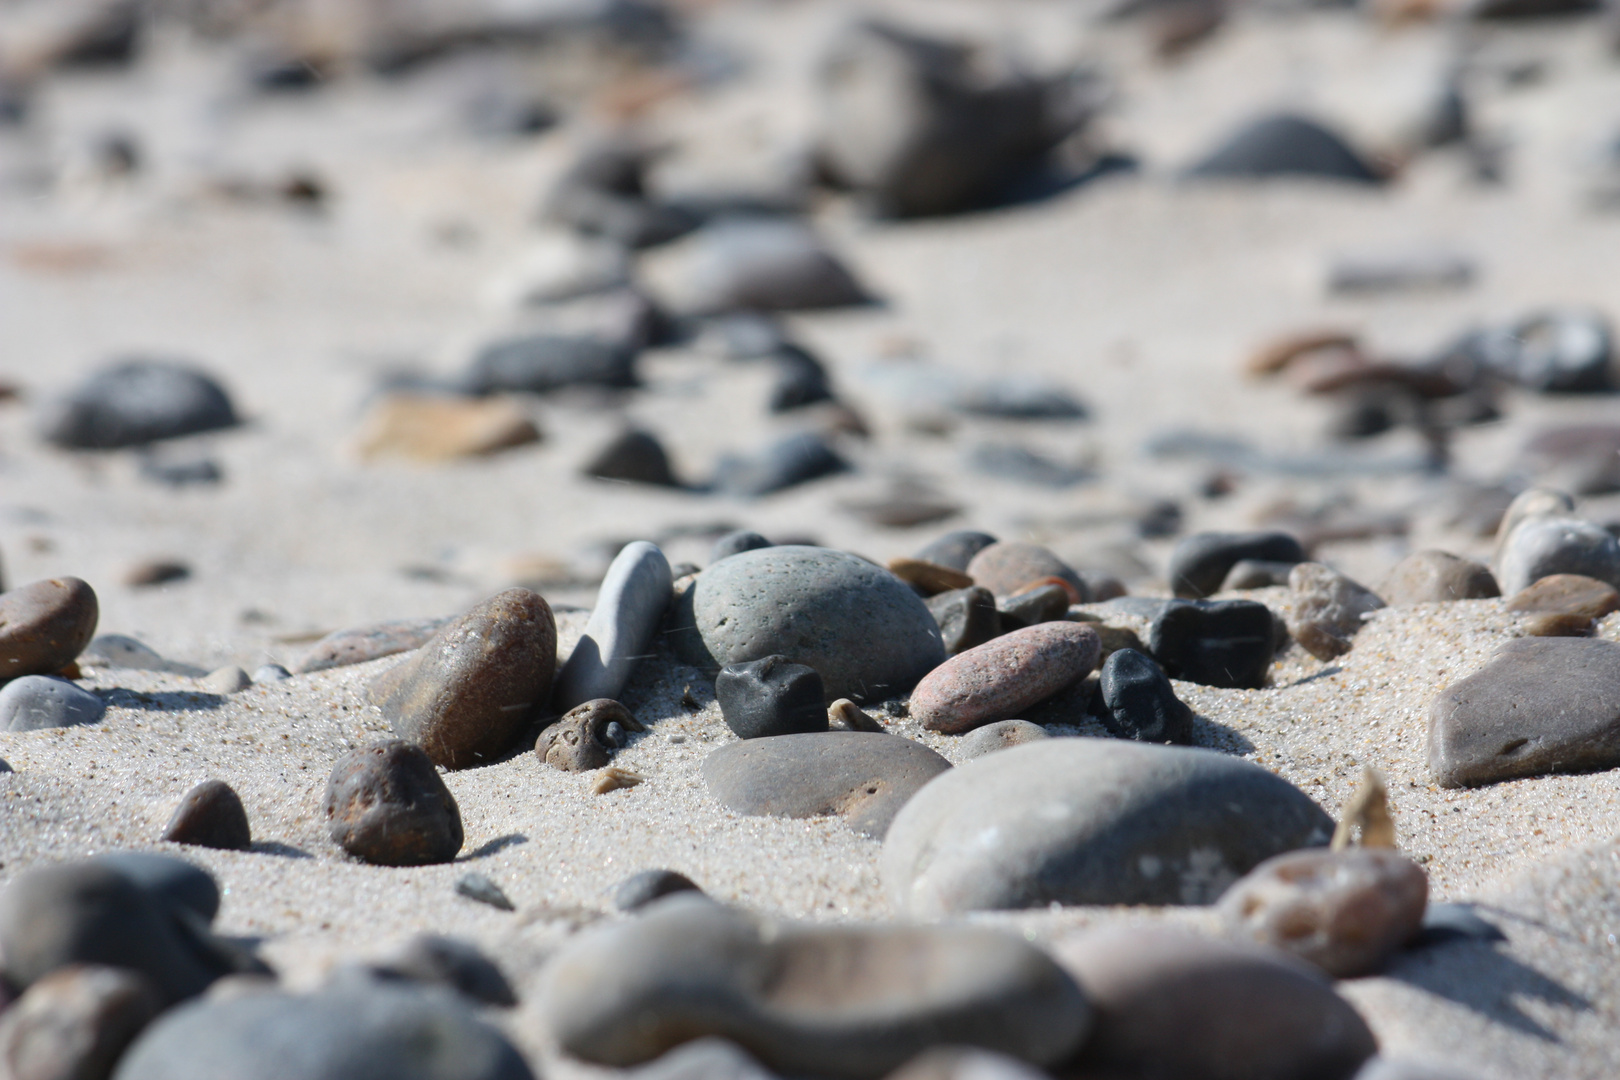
(37, 702)
(956, 549)
(1540, 705)
(386, 804)
(1566, 594)
(123, 651)
(1428, 577)
(1227, 643)
(807, 1000)
(354, 1031)
(1001, 678)
(867, 633)
(75, 1022)
(467, 693)
(1345, 912)
(137, 402)
(362, 643)
(211, 815)
(1091, 821)
(1173, 1004)
(789, 461)
(1541, 546)
(1007, 566)
(1325, 609)
(629, 607)
(860, 776)
(1201, 562)
(44, 626)
(999, 736)
(928, 578)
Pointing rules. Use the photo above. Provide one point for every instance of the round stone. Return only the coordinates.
(642, 888)
(956, 549)
(999, 736)
(1430, 576)
(37, 702)
(1284, 145)
(585, 737)
(386, 804)
(736, 542)
(1326, 609)
(1091, 821)
(137, 402)
(211, 815)
(863, 630)
(45, 626)
(75, 1022)
(1200, 563)
(1006, 567)
(1541, 546)
(1001, 678)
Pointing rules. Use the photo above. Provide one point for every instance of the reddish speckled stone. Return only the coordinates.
(1003, 677)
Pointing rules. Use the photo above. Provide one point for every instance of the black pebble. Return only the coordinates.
(773, 696)
(433, 960)
(643, 887)
(1286, 146)
(137, 402)
(542, 363)
(1201, 562)
(1048, 603)
(1226, 643)
(956, 549)
(211, 815)
(792, 460)
(481, 888)
(800, 381)
(966, 617)
(735, 543)
(634, 456)
(1139, 702)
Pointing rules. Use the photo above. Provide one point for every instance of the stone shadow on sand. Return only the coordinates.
(276, 847)
(1325, 673)
(1214, 735)
(500, 843)
(120, 697)
(1480, 977)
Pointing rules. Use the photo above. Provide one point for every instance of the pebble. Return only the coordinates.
(362, 643)
(967, 618)
(1284, 145)
(135, 402)
(558, 265)
(74, 1023)
(630, 606)
(1539, 706)
(226, 680)
(1091, 821)
(119, 651)
(956, 549)
(735, 543)
(269, 674)
(845, 715)
(861, 777)
(1226, 643)
(614, 778)
(1256, 574)
(772, 696)
(756, 264)
(1542, 545)
(626, 992)
(918, 126)
(586, 736)
(801, 380)
(150, 572)
(37, 702)
(711, 1058)
(604, 194)
(1172, 1004)
(1006, 567)
(87, 912)
(544, 363)
(467, 692)
(999, 736)
(1326, 609)
(1020, 464)
(788, 462)
(45, 625)
(1001, 678)
(1139, 702)
(1530, 503)
(171, 881)
(1018, 397)
(928, 578)
(1431, 576)
(211, 815)
(482, 888)
(1346, 912)
(1566, 594)
(1101, 586)
(435, 960)
(428, 428)
(1200, 563)
(643, 887)
(867, 634)
(1115, 638)
(632, 456)
(1403, 269)
(361, 1030)
(1042, 604)
(387, 805)
(1556, 351)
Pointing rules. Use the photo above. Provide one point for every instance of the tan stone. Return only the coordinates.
(422, 428)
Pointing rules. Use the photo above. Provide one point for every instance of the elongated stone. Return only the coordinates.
(466, 694)
(1201, 562)
(997, 680)
(634, 596)
(356, 646)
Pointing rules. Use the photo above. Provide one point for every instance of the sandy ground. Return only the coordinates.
(1141, 293)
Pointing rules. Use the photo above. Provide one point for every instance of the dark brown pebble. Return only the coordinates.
(212, 816)
(386, 804)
